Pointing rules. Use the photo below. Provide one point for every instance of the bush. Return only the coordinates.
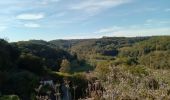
(102, 69)
(138, 70)
(31, 63)
(21, 83)
(157, 60)
(9, 97)
(153, 84)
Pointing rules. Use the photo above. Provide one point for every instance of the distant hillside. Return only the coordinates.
(66, 44)
(86, 48)
(154, 52)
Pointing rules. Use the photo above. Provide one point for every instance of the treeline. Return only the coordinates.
(96, 48)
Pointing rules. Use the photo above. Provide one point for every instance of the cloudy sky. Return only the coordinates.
(71, 19)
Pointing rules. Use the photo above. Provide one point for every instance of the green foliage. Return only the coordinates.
(126, 61)
(65, 66)
(22, 83)
(158, 60)
(8, 55)
(51, 56)
(64, 44)
(153, 52)
(107, 46)
(138, 70)
(9, 97)
(147, 46)
(78, 80)
(102, 69)
(31, 63)
(134, 64)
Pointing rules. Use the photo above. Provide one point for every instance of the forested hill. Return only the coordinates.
(91, 48)
(154, 52)
(23, 64)
(66, 44)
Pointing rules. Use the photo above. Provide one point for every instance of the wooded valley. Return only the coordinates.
(108, 68)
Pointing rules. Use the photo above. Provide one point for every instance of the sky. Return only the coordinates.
(71, 19)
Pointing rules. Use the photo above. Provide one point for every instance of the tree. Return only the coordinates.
(31, 63)
(65, 66)
(21, 83)
(8, 55)
(3, 79)
(102, 69)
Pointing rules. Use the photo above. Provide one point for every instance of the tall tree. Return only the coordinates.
(65, 66)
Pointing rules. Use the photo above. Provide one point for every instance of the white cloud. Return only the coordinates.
(110, 29)
(46, 2)
(94, 6)
(30, 16)
(117, 31)
(134, 31)
(151, 22)
(143, 32)
(32, 25)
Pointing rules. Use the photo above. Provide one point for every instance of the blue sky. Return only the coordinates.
(71, 19)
